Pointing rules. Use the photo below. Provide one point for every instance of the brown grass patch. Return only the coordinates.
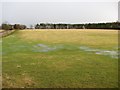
(22, 81)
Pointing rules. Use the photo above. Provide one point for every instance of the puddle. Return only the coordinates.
(42, 45)
(87, 48)
(113, 54)
(45, 48)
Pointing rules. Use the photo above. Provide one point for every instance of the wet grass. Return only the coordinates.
(53, 59)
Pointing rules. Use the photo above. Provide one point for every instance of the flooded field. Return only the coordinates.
(60, 59)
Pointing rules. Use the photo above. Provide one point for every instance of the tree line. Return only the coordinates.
(112, 25)
(12, 27)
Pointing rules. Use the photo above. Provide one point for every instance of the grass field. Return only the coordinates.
(60, 59)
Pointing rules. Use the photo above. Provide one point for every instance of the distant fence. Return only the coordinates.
(6, 33)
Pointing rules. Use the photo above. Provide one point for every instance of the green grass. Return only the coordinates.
(64, 64)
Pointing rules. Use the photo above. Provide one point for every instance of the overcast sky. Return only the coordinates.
(58, 12)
